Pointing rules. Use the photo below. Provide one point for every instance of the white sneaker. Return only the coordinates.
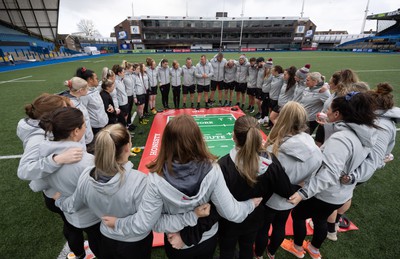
(332, 236)
(310, 222)
(262, 121)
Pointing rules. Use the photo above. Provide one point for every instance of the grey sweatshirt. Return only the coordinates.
(140, 84)
(300, 158)
(313, 100)
(95, 107)
(162, 197)
(386, 137)
(120, 197)
(79, 105)
(218, 68)
(129, 83)
(65, 180)
(204, 69)
(230, 74)
(252, 77)
(152, 74)
(120, 91)
(260, 77)
(242, 72)
(298, 91)
(285, 96)
(30, 166)
(189, 76)
(266, 87)
(176, 76)
(276, 85)
(163, 75)
(343, 152)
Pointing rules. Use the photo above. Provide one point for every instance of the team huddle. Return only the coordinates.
(77, 146)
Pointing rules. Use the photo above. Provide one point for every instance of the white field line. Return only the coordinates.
(27, 81)
(98, 61)
(377, 70)
(16, 79)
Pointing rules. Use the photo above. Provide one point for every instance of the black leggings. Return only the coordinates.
(319, 211)
(227, 245)
(74, 235)
(204, 250)
(278, 220)
(265, 105)
(176, 91)
(165, 94)
(114, 249)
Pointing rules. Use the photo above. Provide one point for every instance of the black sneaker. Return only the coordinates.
(237, 104)
(242, 107)
(184, 106)
(220, 103)
(198, 106)
(132, 127)
(252, 109)
(225, 104)
(258, 115)
(248, 109)
(192, 106)
(207, 106)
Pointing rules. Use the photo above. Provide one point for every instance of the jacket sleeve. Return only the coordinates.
(275, 180)
(33, 167)
(114, 98)
(197, 72)
(375, 158)
(192, 235)
(174, 223)
(227, 206)
(334, 158)
(148, 214)
(74, 202)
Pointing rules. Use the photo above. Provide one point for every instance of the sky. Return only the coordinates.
(326, 14)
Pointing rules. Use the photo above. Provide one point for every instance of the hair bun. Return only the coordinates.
(307, 66)
(384, 88)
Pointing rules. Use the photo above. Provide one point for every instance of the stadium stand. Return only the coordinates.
(387, 38)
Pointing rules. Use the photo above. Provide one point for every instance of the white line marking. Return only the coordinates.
(10, 157)
(377, 70)
(3, 82)
(98, 61)
(27, 81)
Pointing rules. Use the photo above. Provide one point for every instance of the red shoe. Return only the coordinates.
(288, 245)
(313, 255)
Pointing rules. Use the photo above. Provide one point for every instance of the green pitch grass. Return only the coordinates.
(217, 131)
(28, 230)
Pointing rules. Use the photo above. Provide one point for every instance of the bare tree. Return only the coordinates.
(88, 27)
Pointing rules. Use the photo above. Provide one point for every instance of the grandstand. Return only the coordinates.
(182, 34)
(387, 38)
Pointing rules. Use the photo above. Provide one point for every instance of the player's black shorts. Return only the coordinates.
(153, 90)
(141, 99)
(273, 104)
(251, 91)
(188, 89)
(203, 88)
(217, 84)
(259, 94)
(230, 85)
(241, 87)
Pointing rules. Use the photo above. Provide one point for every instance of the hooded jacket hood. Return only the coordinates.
(187, 177)
(27, 128)
(263, 163)
(290, 146)
(366, 134)
(112, 186)
(393, 114)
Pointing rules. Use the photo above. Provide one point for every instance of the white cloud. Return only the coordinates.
(326, 14)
